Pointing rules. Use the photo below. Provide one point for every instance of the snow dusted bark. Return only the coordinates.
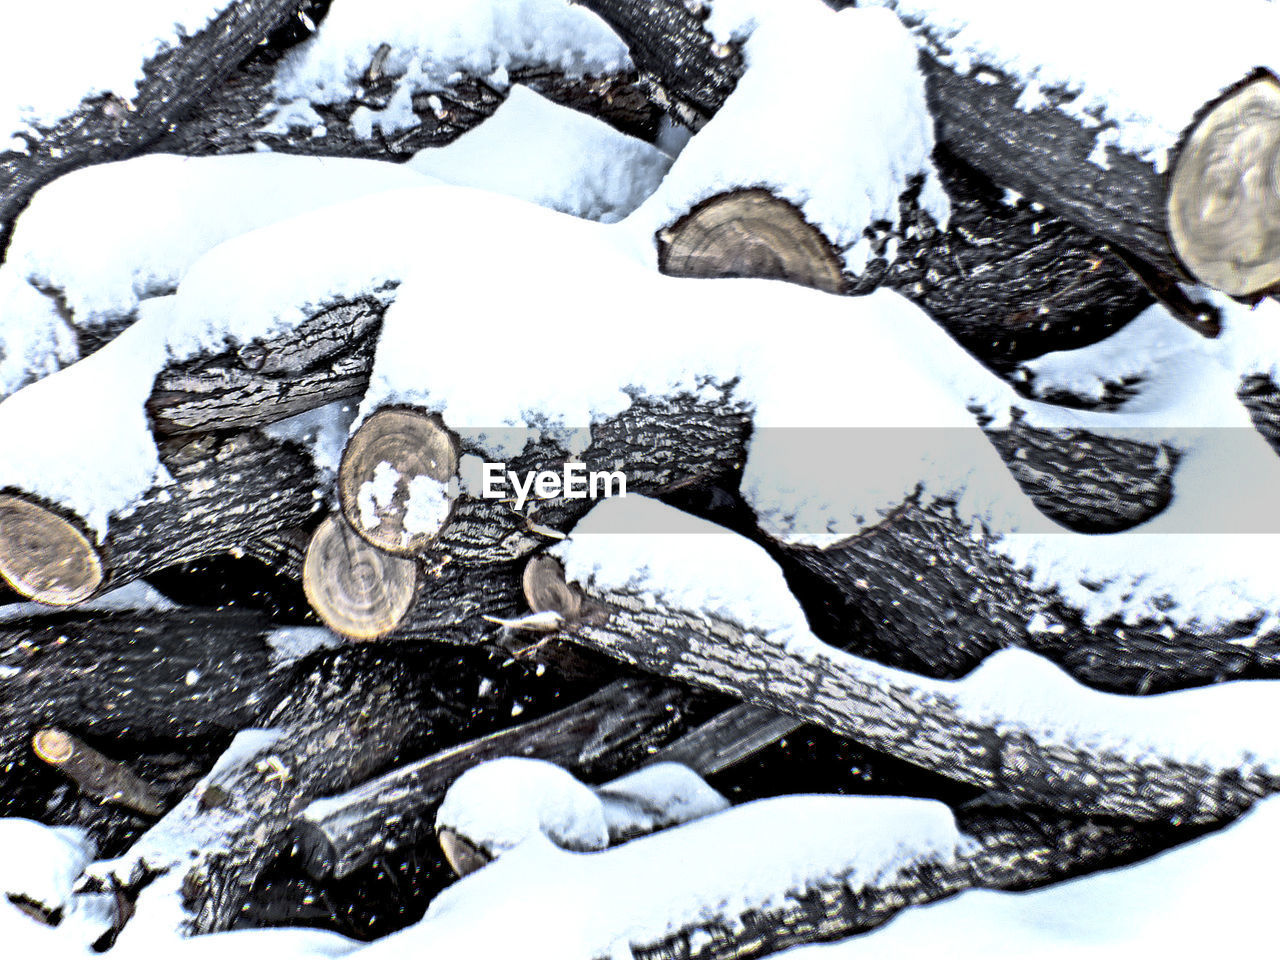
(227, 492)
(1005, 278)
(1045, 153)
(1045, 760)
(347, 716)
(109, 127)
(942, 600)
(129, 679)
(1178, 223)
(324, 359)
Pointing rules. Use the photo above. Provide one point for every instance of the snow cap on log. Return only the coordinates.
(550, 155)
(425, 49)
(1112, 98)
(795, 108)
(103, 238)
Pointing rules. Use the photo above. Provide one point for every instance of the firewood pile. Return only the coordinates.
(652, 478)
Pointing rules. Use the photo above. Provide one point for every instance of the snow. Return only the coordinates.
(657, 796)
(132, 596)
(432, 46)
(293, 643)
(427, 507)
(703, 566)
(34, 338)
(107, 236)
(503, 803)
(41, 863)
(500, 804)
(728, 578)
(100, 50)
(538, 901)
(776, 131)
(552, 156)
(322, 431)
(1212, 897)
(1140, 81)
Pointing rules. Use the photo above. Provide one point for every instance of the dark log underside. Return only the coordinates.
(228, 492)
(940, 601)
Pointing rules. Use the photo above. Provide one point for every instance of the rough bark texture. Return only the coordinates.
(896, 717)
(109, 128)
(227, 492)
(232, 117)
(129, 680)
(604, 734)
(350, 714)
(939, 601)
(325, 358)
(1260, 395)
(1010, 852)
(453, 600)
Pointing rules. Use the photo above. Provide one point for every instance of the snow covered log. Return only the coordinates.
(131, 677)
(1171, 170)
(1163, 152)
(753, 880)
(1005, 278)
(349, 715)
(715, 610)
(401, 489)
(223, 493)
(609, 731)
(324, 359)
(139, 72)
(496, 806)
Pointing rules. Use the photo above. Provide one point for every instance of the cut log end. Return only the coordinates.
(463, 856)
(357, 590)
(1224, 194)
(394, 477)
(44, 555)
(750, 233)
(545, 589)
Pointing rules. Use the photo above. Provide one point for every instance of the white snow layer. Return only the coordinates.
(1212, 897)
(1137, 71)
(41, 863)
(107, 236)
(776, 129)
(34, 338)
(430, 46)
(100, 49)
(727, 577)
(538, 901)
(502, 803)
(552, 156)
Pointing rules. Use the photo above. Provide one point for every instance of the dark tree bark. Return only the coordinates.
(228, 492)
(108, 128)
(1044, 154)
(326, 358)
(130, 680)
(348, 716)
(894, 716)
(940, 601)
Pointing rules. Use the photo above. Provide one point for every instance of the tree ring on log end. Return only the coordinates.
(463, 855)
(750, 233)
(545, 588)
(44, 555)
(1224, 195)
(394, 478)
(53, 746)
(357, 590)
